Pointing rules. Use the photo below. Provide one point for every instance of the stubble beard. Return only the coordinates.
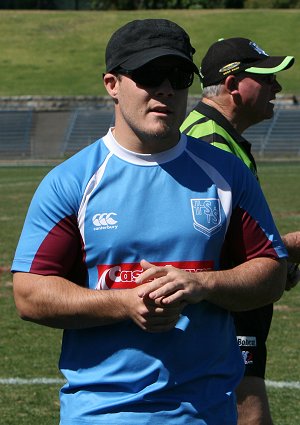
(161, 139)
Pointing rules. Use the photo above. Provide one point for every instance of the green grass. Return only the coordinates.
(16, 187)
(26, 350)
(281, 185)
(31, 351)
(62, 53)
(284, 405)
(29, 405)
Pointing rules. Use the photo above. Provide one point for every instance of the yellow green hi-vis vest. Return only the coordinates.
(206, 123)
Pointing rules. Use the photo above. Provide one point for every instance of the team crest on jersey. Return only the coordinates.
(206, 215)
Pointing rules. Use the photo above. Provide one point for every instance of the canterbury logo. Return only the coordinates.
(105, 221)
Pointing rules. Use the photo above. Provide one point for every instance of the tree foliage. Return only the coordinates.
(166, 4)
(146, 4)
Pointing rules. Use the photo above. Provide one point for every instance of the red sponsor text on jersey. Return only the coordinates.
(123, 276)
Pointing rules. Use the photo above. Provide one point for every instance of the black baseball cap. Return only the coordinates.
(141, 41)
(234, 55)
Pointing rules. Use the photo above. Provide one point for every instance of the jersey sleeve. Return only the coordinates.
(50, 242)
(252, 231)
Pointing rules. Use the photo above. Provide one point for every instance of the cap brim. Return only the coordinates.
(272, 65)
(142, 58)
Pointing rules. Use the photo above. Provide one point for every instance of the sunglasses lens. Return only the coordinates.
(263, 78)
(269, 79)
(181, 79)
(153, 77)
(147, 77)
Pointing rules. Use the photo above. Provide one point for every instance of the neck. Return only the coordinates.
(145, 143)
(229, 110)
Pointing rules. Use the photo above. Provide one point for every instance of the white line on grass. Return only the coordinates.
(49, 381)
(32, 381)
(283, 384)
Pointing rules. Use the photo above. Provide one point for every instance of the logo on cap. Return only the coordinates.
(257, 48)
(234, 66)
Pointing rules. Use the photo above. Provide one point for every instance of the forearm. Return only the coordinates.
(56, 302)
(292, 243)
(257, 282)
(251, 285)
(59, 303)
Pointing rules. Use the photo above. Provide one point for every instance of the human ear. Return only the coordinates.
(231, 84)
(111, 83)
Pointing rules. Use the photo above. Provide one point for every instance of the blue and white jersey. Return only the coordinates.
(92, 219)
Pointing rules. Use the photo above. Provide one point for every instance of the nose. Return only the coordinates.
(165, 88)
(276, 86)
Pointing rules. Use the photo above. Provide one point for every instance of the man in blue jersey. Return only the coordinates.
(239, 88)
(123, 247)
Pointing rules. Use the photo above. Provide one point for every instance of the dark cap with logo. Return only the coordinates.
(234, 55)
(141, 41)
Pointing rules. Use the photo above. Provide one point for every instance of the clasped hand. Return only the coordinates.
(164, 292)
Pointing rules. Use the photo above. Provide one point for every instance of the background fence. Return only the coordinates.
(56, 134)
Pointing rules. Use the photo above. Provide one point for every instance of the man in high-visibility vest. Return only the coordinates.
(239, 87)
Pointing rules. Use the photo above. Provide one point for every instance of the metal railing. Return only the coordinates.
(85, 127)
(15, 128)
(277, 137)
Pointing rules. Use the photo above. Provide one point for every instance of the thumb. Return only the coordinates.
(145, 264)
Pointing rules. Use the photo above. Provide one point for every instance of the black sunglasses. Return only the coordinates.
(264, 78)
(153, 76)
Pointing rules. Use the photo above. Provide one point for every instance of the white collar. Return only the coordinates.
(140, 158)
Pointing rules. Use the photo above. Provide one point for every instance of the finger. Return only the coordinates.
(173, 298)
(165, 289)
(149, 320)
(148, 287)
(150, 274)
(145, 264)
(161, 327)
(292, 281)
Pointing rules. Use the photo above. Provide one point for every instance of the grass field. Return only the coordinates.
(28, 351)
(62, 53)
